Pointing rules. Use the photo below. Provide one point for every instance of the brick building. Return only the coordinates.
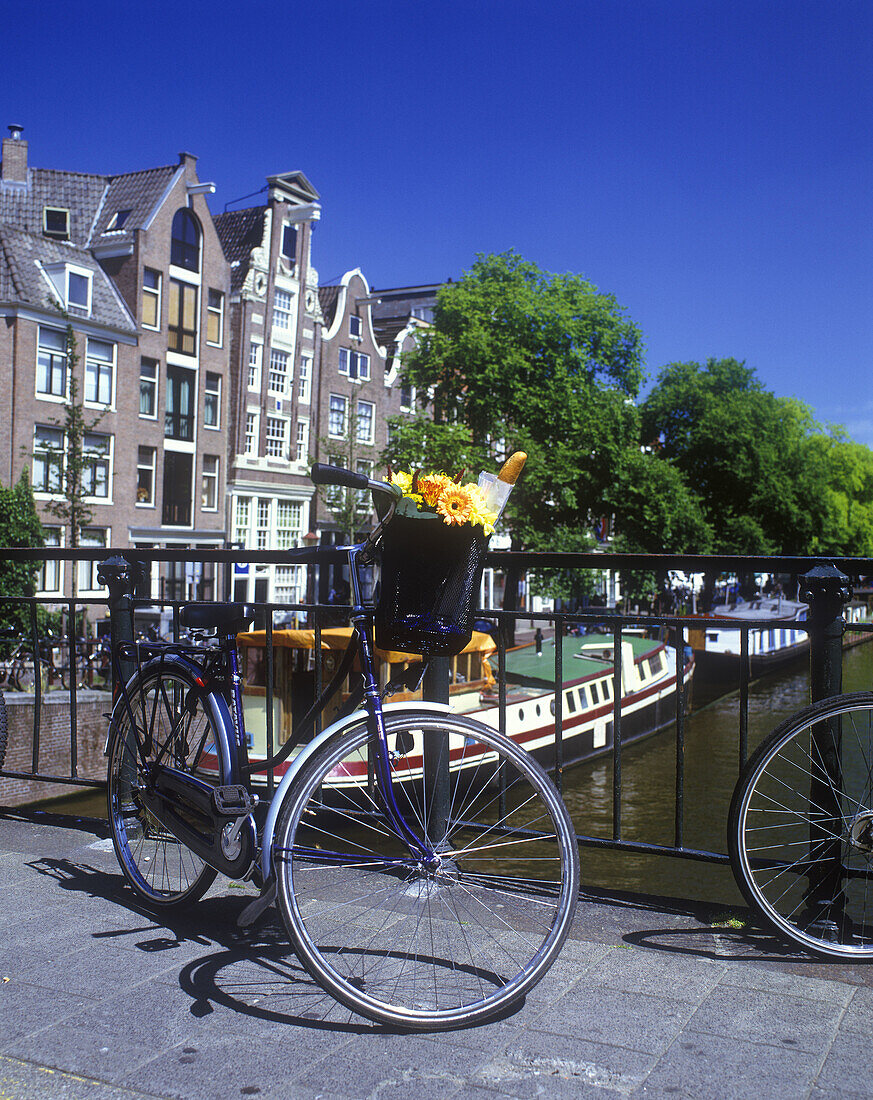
(136, 264)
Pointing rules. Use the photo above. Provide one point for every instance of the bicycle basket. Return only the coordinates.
(430, 578)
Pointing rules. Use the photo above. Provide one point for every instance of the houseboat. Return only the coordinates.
(646, 671)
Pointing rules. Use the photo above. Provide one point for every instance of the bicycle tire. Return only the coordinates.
(4, 730)
(168, 708)
(467, 940)
(800, 829)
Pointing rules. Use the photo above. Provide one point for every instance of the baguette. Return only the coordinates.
(512, 467)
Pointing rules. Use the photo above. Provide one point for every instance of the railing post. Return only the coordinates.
(435, 688)
(826, 590)
(116, 574)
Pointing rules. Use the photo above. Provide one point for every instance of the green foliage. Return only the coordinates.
(19, 527)
(533, 361)
(564, 584)
(421, 444)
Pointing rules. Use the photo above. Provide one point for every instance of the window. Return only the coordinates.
(97, 465)
(304, 378)
(355, 325)
(256, 352)
(363, 497)
(289, 524)
(214, 317)
(212, 400)
(278, 372)
(282, 300)
(277, 437)
(354, 363)
(48, 459)
(365, 422)
(56, 222)
(289, 584)
(118, 219)
(51, 574)
(301, 452)
(78, 288)
(251, 437)
(145, 476)
(407, 395)
(209, 498)
(185, 244)
(91, 538)
(336, 421)
(151, 298)
(178, 487)
(242, 513)
(179, 414)
(182, 321)
(289, 243)
(99, 372)
(262, 530)
(148, 388)
(51, 362)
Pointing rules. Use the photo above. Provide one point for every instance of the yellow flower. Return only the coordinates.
(403, 480)
(479, 511)
(432, 487)
(454, 504)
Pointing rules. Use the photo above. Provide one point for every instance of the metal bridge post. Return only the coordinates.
(826, 590)
(117, 575)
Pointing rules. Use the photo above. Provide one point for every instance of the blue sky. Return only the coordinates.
(708, 162)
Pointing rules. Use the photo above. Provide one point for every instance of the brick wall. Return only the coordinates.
(54, 743)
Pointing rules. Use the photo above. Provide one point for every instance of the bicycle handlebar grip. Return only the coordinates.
(322, 474)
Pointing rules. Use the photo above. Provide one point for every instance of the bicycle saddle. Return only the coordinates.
(205, 616)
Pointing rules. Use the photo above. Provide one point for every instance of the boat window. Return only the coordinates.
(570, 699)
(552, 707)
(538, 710)
(645, 670)
(583, 698)
(595, 697)
(520, 714)
(607, 689)
(656, 661)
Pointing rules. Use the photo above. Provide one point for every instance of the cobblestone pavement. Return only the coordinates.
(98, 1001)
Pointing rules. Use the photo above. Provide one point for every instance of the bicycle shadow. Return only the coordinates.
(737, 945)
(252, 971)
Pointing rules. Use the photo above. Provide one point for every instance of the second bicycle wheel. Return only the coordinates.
(440, 946)
(165, 722)
(801, 828)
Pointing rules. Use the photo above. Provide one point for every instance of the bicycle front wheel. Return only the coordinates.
(801, 828)
(404, 943)
(166, 723)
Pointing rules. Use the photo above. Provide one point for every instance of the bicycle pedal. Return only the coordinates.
(232, 800)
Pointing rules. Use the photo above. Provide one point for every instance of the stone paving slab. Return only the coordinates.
(101, 1001)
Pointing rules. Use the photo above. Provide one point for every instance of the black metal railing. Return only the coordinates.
(825, 586)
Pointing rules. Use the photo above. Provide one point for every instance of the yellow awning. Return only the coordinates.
(337, 637)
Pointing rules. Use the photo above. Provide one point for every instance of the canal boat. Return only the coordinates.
(646, 669)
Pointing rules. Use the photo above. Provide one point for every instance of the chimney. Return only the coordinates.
(14, 167)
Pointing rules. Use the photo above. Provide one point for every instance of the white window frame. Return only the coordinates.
(288, 257)
(242, 518)
(256, 357)
(211, 468)
(50, 456)
(281, 372)
(337, 397)
(282, 312)
(263, 518)
(51, 354)
(301, 443)
(276, 444)
(216, 314)
(289, 524)
(368, 438)
(155, 293)
(103, 457)
(251, 438)
(56, 234)
(153, 381)
(53, 570)
(100, 366)
(216, 393)
(149, 467)
(356, 326)
(88, 582)
(356, 364)
(304, 379)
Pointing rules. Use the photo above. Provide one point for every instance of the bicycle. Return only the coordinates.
(800, 828)
(425, 867)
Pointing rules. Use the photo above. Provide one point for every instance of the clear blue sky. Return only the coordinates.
(709, 162)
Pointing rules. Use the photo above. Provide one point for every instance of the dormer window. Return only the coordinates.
(355, 326)
(56, 222)
(72, 284)
(118, 219)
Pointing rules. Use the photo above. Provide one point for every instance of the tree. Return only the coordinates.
(747, 454)
(420, 444)
(350, 508)
(19, 527)
(539, 362)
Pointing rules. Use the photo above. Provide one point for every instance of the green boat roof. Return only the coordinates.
(523, 664)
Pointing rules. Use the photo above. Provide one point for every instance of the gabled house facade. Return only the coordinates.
(134, 263)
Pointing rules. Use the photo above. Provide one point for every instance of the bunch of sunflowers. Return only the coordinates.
(439, 495)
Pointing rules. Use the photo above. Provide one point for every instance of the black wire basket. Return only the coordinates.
(430, 579)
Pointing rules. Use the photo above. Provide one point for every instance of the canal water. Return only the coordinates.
(648, 790)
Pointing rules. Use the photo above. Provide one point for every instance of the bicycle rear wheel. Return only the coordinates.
(404, 944)
(165, 722)
(801, 828)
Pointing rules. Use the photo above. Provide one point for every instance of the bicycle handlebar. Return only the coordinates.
(323, 474)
